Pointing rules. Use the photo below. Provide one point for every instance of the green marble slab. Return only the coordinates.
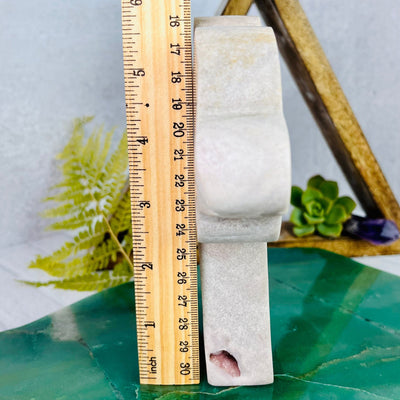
(335, 333)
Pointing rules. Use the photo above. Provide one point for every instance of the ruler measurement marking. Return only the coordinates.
(149, 62)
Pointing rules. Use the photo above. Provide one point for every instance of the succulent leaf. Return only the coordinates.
(315, 208)
(329, 189)
(312, 219)
(295, 198)
(297, 217)
(310, 194)
(315, 181)
(337, 215)
(304, 230)
(333, 231)
(346, 202)
(327, 204)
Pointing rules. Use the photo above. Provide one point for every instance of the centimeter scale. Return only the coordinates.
(160, 125)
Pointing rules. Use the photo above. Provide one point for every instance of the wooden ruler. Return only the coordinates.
(160, 126)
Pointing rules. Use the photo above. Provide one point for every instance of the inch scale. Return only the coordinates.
(160, 126)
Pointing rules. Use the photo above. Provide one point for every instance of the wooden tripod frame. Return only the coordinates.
(324, 96)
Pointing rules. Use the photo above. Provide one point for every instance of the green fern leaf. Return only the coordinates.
(89, 282)
(92, 201)
(121, 219)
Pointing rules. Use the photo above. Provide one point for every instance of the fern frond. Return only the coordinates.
(53, 264)
(115, 176)
(88, 282)
(121, 219)
(93, 201)
(62, 263)
(78, 202)
(75, 221)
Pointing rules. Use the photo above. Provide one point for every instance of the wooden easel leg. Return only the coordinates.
(236, 7)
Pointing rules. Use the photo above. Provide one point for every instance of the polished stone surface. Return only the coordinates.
(228, 102)
(335, 335)
(236, 308)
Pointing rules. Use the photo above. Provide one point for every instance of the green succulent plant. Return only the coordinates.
(319, 209)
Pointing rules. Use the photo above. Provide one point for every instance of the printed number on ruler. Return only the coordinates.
(160, 125)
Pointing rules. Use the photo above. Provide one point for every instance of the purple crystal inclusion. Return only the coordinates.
(375, 231)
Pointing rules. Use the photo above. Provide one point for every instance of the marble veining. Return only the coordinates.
(335, 334)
